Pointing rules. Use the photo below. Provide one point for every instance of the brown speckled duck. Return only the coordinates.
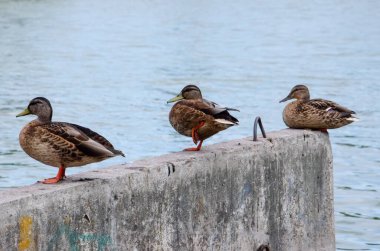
(61, 144)
(198, 118)
(306, 113)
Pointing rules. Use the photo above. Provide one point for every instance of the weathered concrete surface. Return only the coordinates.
(230, 196)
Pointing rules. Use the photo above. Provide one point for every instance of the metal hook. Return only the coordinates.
(258, 121)
(263, 248)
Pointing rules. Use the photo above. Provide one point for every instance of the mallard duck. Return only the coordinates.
(318, 114)
(198, 118)
(61, 144)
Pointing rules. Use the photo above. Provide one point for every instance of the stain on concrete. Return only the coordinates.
(26, 240)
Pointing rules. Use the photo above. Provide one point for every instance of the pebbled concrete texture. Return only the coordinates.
(235, 195)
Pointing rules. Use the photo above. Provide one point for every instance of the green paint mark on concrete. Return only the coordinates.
(75, 238)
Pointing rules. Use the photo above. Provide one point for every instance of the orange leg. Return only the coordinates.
(194, 132)
(194, 136)
(324, 130)
(56, 179)
(195, 148)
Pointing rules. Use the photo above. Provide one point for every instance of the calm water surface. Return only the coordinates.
(112, 65)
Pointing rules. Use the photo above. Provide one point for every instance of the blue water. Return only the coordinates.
(111, 65)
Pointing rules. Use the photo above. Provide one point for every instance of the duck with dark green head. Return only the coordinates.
(320, 114)
(61, 144)
(198, 118)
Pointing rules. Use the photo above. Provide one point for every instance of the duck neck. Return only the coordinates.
(45, 118)
(304, 98)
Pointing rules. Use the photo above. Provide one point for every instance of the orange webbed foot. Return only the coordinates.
(195, 148)
(50, 180)
(191, 149)
(56, 179)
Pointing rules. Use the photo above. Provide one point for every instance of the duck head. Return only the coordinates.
(299, 92)
(188, 92)
(40, 107)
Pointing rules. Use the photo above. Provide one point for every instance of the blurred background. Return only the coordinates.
(111, 66)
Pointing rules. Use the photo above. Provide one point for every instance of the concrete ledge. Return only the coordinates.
(230, 196)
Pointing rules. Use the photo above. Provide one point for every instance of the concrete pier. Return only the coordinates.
(236, 195)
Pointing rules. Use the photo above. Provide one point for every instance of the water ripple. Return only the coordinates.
(358, 215)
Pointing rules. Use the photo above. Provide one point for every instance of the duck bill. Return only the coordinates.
(176, 98)
(285, 99)
(23, 113)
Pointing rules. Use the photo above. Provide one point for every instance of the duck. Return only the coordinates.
(195, 117)
(318, 114)
(61, 144)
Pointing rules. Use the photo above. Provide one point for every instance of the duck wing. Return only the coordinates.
(210, 108)
(219, 107)
(330, 107)
(84, 139)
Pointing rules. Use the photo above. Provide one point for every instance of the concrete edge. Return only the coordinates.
(161, 164)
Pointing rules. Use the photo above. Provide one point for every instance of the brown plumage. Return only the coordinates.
(61, 144)
(198, 118)
(309, 113)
